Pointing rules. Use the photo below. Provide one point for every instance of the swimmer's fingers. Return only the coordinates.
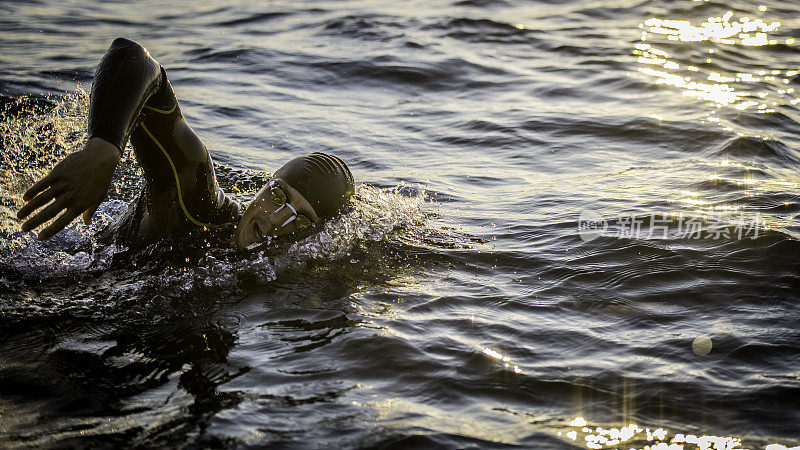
(39, 186)
(59, 224)
(44, 215)
(38, 201)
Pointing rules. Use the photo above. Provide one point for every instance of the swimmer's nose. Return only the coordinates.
(278, 218)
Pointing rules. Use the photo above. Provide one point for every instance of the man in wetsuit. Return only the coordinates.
(131, 97)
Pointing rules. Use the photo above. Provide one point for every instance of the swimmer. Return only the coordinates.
(132, 99)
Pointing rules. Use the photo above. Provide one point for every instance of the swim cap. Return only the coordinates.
(324, 180)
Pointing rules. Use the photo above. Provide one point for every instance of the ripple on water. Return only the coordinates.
(466, 309)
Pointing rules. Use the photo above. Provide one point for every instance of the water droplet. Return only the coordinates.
(702, 345)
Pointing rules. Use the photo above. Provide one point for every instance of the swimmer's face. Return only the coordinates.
(267, 216)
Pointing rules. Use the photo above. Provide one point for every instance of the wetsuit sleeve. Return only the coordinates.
(174, 159)
(125, 79)
(133, 98)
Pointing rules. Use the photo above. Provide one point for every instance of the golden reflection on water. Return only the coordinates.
(504, 359)
(701, 77)
(745, 31)
(641, 437)
(694, 202)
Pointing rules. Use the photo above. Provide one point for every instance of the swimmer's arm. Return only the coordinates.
(77, 184)
(126, 77)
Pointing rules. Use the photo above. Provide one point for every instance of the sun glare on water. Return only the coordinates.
(698, 75)
(640, 437)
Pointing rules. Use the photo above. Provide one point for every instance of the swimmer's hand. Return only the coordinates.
(77, 184)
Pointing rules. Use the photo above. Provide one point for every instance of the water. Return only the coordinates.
(572, 217)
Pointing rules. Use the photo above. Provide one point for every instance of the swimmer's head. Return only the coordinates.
(301, 194)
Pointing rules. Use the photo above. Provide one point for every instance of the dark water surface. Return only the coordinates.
(578, 225)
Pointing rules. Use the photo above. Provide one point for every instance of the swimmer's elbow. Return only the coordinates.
(128, 51)
(121, 42)
(129, 61)
(125, 78)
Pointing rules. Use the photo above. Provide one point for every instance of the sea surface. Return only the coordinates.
(577, 225)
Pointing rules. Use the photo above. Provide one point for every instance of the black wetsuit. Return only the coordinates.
(132, 98)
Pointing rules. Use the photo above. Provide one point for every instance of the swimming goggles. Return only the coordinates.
(279, 197)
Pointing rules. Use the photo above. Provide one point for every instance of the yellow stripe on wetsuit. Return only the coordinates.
(162, 111)
(175, 172)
